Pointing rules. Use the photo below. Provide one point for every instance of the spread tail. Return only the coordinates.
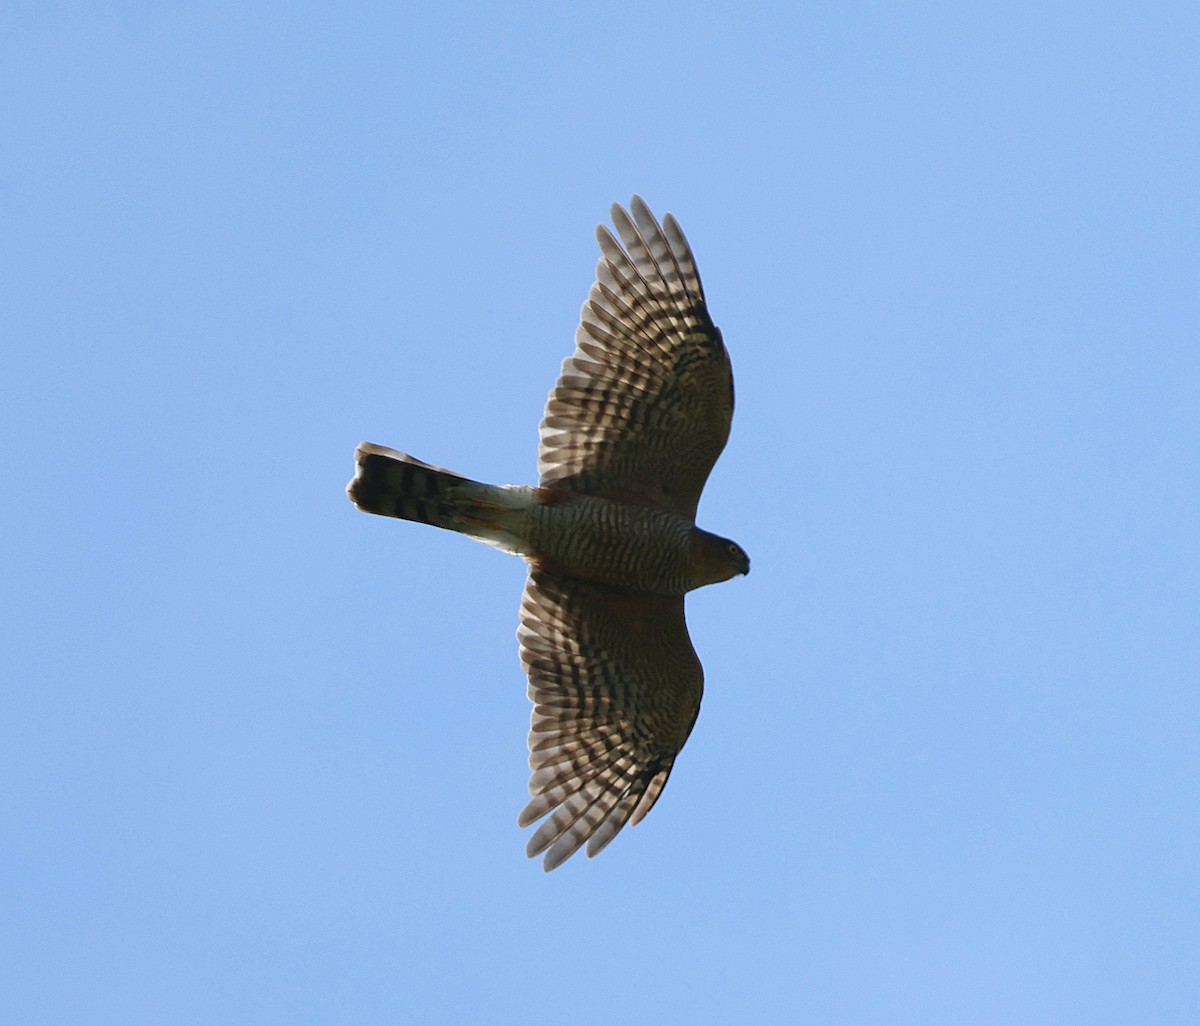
(394, 484)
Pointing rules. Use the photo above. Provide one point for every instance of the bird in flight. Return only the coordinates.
(639, 415)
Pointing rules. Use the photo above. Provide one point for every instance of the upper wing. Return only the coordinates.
(642, 408)
(616, 688)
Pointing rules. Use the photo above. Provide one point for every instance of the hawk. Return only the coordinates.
(639, 415)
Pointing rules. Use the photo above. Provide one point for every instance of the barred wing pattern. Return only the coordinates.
(642, 408)
(616, 688)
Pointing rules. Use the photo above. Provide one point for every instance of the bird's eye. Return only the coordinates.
(733, 549)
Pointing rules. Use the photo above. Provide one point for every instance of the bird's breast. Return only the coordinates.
(609, 542)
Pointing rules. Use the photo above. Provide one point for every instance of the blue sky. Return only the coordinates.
(262, 755)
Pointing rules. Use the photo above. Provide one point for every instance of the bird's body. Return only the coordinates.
(611, 542)
(631, 431)
(569, 533)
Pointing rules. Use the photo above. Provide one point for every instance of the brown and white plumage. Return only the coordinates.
(616, 689)
(631, 431)
(643, 406)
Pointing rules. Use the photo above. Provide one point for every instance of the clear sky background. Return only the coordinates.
(261, 755)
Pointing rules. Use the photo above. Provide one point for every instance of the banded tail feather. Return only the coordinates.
(393, 484)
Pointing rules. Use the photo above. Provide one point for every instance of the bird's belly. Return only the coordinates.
(611, 542)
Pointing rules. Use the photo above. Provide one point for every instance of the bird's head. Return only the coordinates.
(715, 559)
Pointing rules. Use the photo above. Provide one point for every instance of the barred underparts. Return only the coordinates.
(631, 431)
